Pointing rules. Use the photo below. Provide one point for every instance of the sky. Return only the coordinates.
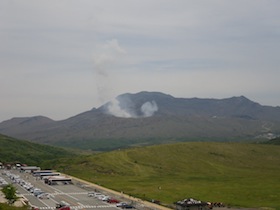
(59, 58)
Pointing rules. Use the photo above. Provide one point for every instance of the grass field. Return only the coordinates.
(237, 174)
(4, 206)
(20, 151)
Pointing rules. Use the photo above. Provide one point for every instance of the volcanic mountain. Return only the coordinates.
(148, 118)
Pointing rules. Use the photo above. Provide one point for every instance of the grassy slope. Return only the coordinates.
(275, 141)
(4, 206)
(237, 174)
(13, 150)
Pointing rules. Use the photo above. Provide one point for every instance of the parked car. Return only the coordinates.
(37, 192)
(97, 195)
(91, 194)
(128, 206)
(113, 200)
(102, 197)
(43, 196)
(121, 204)
(61, 206)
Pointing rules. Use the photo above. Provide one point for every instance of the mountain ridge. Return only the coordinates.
(149, 118)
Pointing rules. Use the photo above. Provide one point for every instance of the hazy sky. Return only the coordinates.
(59, 58)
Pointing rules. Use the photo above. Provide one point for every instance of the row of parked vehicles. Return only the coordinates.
(26, 185)
(109, 199)
(43, 195)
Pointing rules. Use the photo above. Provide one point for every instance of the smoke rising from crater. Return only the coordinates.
(127, 109)
(115, 109)
(105, 59)
(149, 108)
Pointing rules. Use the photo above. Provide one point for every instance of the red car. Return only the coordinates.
(61, 206)
(113, 200)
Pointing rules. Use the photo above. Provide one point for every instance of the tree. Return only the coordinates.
(10, 193)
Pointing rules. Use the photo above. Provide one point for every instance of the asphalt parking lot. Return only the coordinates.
(75, 194)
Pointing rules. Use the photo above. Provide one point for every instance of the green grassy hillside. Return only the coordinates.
(13, 150)
(4, 206)
(275, 141)
(237, 174)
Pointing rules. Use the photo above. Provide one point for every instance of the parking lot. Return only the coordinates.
(73, 194)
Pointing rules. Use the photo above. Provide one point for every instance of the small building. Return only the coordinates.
(192, 204)
(50, 180)
(43, 175)
(39, 172)
(29, 169)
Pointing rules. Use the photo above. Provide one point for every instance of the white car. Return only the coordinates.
(91, 194)
(105, 198)
(37, 191)
(102, 197)
(121, 204)
(96, 195)
(43, 196)
(27, 186)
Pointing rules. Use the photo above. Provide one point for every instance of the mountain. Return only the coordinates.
(151, 118)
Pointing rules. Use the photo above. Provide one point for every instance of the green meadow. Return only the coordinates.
(236, 174)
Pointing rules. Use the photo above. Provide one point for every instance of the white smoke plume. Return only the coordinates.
(105, 59)
(126, 109)
(149, 108)
(115, 109)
